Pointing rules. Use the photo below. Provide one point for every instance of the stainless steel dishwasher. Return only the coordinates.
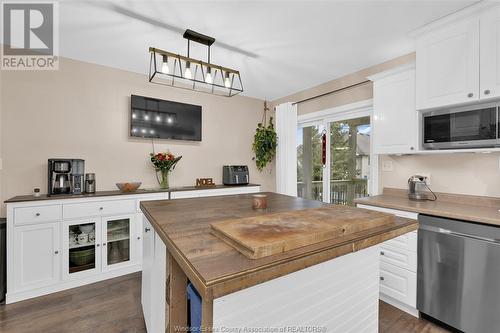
(459, 273)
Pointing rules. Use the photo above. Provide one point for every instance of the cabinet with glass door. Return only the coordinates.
(118, 247)
(81, 248)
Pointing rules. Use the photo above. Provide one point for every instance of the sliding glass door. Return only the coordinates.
(333, 160)
(309, 162)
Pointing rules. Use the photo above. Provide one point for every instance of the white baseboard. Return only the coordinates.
(13, 297)
(403, 307)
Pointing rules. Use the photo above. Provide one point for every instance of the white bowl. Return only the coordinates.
(87, 228)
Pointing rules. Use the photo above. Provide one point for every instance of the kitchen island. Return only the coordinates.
(329, 286)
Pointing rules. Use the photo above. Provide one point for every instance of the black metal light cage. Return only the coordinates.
(225, 81)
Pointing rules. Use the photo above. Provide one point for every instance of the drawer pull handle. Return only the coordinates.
(382, 253)
(487, 92)
(470, 95)
(381, 278)
(98, 245)
(37, 214)
(56, 252)
(147, 229)
(103, 244)
(101, 208)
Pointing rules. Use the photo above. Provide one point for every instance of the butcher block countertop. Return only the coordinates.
(216, 268)
(456, 206)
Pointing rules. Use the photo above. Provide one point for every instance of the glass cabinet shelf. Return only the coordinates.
(118, 241)
(76, 246)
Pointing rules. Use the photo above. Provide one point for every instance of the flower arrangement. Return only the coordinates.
(164, 163)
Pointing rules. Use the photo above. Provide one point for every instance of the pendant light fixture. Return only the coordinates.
(179, 71)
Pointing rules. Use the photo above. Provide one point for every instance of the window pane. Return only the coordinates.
(350, 160)
(309, 162)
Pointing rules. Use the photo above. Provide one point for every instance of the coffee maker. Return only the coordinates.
(65, 176)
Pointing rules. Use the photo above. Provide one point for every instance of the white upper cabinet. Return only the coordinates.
(490, 53)
(394, 114)
(448, 65)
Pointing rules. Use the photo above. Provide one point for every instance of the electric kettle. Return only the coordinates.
(418, 188)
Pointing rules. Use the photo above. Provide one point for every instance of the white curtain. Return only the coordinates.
(286, 154)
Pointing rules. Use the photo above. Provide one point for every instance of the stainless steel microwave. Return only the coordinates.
(463, 127)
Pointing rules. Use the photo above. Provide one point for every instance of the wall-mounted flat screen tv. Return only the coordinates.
(160, 119)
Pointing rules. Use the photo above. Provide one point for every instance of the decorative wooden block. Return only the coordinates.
(205, 182)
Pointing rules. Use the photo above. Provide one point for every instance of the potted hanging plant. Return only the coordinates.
(265, 142)
(163, 164)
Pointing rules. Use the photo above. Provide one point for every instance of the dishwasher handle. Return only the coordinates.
(459, 234)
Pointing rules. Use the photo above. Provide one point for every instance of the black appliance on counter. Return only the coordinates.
(235, 175)
(65, 176)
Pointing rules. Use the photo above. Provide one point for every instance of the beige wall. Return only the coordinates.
(467, 173)
(356, 94)
(82, 111)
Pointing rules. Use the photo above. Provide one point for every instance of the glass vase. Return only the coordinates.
(164, 178)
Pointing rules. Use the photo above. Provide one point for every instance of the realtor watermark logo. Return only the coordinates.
(30, 36)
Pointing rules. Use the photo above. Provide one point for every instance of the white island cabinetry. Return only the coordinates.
(398, 265)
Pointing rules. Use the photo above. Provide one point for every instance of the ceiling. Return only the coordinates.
(280, 47)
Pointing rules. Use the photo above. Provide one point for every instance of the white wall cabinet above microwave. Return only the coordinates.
(394, 114)
(490, 53)
(458, 62)
(448, 65)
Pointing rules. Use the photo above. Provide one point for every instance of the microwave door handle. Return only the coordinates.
(237, 179)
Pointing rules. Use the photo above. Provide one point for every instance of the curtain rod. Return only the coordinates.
(332, 92)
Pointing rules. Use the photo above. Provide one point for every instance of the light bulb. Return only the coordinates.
(208, 77)
(134, 130)
(169, 120)
(187, 72)
(143, 130)
(227, 81)
(134, 116)
(152, 132)
(158, 118)
(164, 65)
(146, 117)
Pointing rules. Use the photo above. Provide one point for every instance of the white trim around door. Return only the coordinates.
(338, 113)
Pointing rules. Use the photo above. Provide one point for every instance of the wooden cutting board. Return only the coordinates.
(265, 235)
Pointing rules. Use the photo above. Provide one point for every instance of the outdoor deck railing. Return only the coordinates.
(342, 192)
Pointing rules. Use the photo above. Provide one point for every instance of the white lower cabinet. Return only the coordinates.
(398, 283)
(53, 245)
(81, 252)
(36, 256)
(154, 276)
(398, 266)
(148, 248)
(96, 245)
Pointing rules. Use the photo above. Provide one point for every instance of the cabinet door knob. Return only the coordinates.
(147, 229)
(101, 208)
(470, 95)
(381, 278)
(138, 237)
(97, 245)
(103, 244)
(37, 214)
(487, 92)
(382, 253)
(412, 148)
(56, 252)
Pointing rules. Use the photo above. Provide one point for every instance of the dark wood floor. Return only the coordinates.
(114, 306)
